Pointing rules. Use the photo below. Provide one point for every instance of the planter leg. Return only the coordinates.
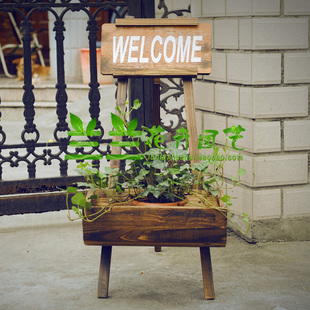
(157, 248)
(104, 271)
(207, 275)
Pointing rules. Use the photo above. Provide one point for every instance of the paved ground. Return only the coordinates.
(48, 267)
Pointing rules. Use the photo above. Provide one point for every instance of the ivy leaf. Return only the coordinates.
(71, 189)
(117, 123)
(78, 199)
(118, 108)
(132, 125)
(91, 125)
(241, 171)
(225, 198)
(76, 123)
(136, 104)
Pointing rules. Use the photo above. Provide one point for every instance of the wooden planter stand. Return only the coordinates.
(184, 226)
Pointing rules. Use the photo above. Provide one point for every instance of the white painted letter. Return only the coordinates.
(133, 48)
(173, 40)
(120, 48)
(183, 52)
(196, 48)
(142, 59)
(160, 40)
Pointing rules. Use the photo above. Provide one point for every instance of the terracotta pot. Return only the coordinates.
(158, 204)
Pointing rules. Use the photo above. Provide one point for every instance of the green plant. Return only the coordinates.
(155, 172)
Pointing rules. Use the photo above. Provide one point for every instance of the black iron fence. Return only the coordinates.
(42, 194)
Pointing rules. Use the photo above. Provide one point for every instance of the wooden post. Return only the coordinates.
(104, 271)
(120, 101)
(191, 118)
(207, 275)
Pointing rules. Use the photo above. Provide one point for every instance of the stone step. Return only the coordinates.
(43, 93)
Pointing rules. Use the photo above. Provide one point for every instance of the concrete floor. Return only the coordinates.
(49, 267)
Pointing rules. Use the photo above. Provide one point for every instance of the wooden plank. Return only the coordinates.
(104, 271)
(156, 22)
(207, 274)
(156, 51)
(191, 118)
(120, 101)
(164, 226)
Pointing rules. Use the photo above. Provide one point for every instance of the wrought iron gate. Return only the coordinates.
(43, 194)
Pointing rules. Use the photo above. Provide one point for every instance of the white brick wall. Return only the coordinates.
(296, 7)
(297, 135)
(251, 69)
(280, 170)
(297, 67)
(265, 7)
(261, 80)
(227, 99)
(215, 122)
(218, 67)
(296, 201)
(226, 33)
(204, 95)
(238, 8)
(274, 102)
(266, 204)
(273, 33)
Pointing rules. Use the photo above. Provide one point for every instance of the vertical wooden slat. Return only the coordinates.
(191, 117)
(207, 275)
(120, 101)
(104, 271)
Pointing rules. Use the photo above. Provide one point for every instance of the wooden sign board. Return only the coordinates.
(156, 47)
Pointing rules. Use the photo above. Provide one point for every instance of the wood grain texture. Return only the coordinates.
(192, 226)
(104, 271)
(207, 274)
(137, 59)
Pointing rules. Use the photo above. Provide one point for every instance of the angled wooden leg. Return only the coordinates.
(157, 248)
(104, 271)
(207, 275)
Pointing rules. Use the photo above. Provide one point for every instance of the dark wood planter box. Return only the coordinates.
(186, 226)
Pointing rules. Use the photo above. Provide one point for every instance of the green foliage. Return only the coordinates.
(156, 172)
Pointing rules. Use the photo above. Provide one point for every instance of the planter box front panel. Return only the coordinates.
(165, 226)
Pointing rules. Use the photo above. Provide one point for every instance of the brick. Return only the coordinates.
(238, 8)
(296, 7)
(266, 204)
(212, 8)
(275, 102)
(246, 102)
(297, 67)
(227, 99)
(296, 201)
(266, 68)
(204, 95)
(215, 122)
(246, 142)
(239, 68)
(297, 135)
(266, 137)
(226, 33)
(241, 198)
(196, 8)
(265, 7)
(247, 164)
(231, 166)
(280, 170)
(218, 67)
(245, 34)
(279, 33)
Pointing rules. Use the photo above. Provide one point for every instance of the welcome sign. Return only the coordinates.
(156, 47)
